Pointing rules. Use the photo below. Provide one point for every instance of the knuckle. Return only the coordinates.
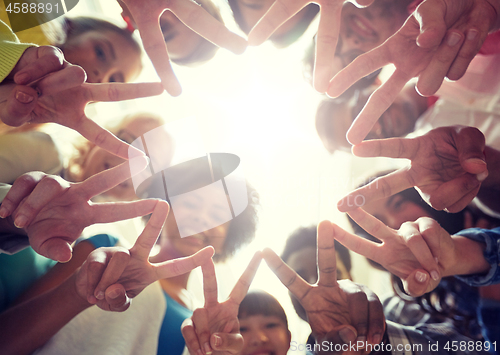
(113, 93)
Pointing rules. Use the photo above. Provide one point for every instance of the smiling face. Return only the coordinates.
(264, 335)
(181, 41)
(106, 56)
(199, 211)
(364, 29)
(395, 210)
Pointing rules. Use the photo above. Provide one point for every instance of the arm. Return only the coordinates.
(489, 194)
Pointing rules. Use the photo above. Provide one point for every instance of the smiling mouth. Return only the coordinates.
(362, 27)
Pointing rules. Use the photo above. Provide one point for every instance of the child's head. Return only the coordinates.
(184, 46)
(263, 325)
(105, 51)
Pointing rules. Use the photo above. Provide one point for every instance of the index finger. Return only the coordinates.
(380, 100)
(404, 148)
(279, 12)
(107, 179)
(155, 47)
(120, 91)
(327, 261)
(382, 187)
(200, 21)
(326, 44)
(297, 286)
(241, 288)
(149, 235)
(209, 284)
(102, 137)
(359, 68)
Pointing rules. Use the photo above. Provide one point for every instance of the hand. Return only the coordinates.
(147, 16)
(420, 253)
(449, 34)
(67, 108)
(110, 277)
(215, 326)
(326, 40)
(338, 311)
(447, 167)
(54, 212)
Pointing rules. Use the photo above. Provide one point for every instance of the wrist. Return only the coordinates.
(468, 257)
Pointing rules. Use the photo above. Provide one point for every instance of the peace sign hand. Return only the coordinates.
(335, 310)
(215, 327)
(54, 212)
(147, 14)
(110, 277)
(447, 167)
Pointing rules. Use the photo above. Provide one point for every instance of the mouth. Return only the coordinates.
(362, 27)
(263, 352)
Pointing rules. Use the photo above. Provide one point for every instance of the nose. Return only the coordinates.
(259, 337)
(96, 77)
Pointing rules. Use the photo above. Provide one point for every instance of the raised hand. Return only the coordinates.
(110, 277)
(335, 310)
(328, 32)
(54, 212)
(421, 252)
(215, 327)
(449, 34)
(147, 16)
(447, 167)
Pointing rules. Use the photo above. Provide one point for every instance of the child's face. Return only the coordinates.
(181, 41)
(104, 55)
(264, 335)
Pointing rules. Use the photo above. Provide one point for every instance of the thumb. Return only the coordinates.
(470, 146)
(56, 249)
(430, 17)
(418, 283)
(230, 342)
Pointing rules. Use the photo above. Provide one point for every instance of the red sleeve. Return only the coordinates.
(492, 44)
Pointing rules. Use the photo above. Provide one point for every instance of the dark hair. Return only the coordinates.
(304, 237)
(196, 173)
(282, 41)
(206, 50)
(77, 26)
(261, 303)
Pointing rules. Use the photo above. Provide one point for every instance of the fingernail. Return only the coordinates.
(20, 221)
(453, 39)
(347, 335)
(482, 176)
(21, 78)
(420, 276)
(23, 97)
(113, 294)
(377, 338)
(208, 349)
(435, 275)
(472, 34)
(100, 295)
(217, 340)
(3, 212)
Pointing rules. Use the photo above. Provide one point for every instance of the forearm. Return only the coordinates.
(32, 323)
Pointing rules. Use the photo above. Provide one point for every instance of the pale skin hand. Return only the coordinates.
(215, 327)
(419, 253)
(334, 310)
(449, 34)
(147, 17)
(67, 108)
(326, 40)
(54, 212)
(447, 167)
(115, 273)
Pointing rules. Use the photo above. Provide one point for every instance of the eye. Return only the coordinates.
(397, 203)
(272, 325)
(243, 329)
(99, 52)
